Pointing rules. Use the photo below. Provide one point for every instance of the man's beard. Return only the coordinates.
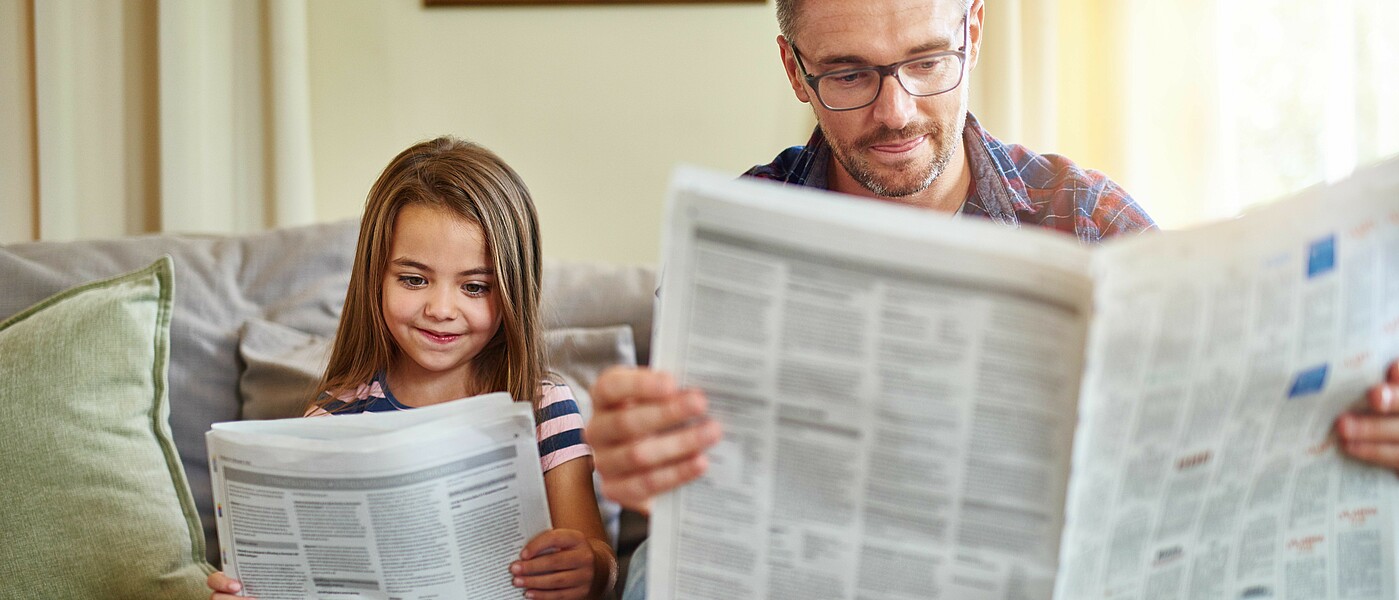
(920, 175)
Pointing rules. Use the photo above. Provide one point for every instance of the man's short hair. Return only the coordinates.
(787, 15)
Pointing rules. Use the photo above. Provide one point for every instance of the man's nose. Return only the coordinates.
(895, 108)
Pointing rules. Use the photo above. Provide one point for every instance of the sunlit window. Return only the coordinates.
(1308, 92)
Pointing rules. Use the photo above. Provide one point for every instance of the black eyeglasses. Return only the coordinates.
(927, 75)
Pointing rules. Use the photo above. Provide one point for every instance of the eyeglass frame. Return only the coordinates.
(814, 81)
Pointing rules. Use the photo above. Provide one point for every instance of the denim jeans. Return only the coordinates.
(635, 588)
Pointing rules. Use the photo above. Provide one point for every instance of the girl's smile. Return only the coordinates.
(441, 338)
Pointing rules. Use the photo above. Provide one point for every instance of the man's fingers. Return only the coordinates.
(1385, 455)
(620, 385)
(1394, 373)
(635, 492)
(655, 451)
(1369, 428)
(1384, 398)
(641, 421)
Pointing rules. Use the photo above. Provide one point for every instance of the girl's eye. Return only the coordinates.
(475, 289)
(412, 281)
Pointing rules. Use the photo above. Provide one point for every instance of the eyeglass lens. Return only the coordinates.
(923, 76)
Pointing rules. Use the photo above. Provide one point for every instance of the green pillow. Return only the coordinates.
(94, 503)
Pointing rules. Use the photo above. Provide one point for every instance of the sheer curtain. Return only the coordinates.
(1200, 108)
(138, 116)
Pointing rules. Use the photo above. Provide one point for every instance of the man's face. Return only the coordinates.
(900, 144)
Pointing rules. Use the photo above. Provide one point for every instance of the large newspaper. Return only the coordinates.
(434, 502)
(920, 408)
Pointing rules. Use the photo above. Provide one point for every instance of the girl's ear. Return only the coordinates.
(794, 74)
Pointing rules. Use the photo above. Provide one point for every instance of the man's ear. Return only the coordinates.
(794, 74)
(975, 17)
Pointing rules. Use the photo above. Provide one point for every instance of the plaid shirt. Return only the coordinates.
(1011, 185)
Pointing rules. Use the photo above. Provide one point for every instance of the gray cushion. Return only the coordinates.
(296, 276)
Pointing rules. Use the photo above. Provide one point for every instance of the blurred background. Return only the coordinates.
(122, 117)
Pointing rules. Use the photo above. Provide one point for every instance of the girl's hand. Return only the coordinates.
(556, 565)
(223, 586)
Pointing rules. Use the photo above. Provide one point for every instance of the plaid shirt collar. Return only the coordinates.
(998, 192)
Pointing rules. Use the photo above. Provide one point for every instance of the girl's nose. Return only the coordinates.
(440, 306)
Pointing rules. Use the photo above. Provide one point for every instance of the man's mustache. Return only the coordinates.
(884, 135)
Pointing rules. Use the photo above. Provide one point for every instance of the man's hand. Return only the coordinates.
(648, 436)
(1373, 435)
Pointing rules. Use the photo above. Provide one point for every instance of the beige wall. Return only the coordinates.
(593, 105)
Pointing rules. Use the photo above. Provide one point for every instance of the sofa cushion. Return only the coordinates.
(296, 276)
(95, 502)
(281, 367)
(592, 294)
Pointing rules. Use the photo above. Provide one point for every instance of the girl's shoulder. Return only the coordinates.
(554, 392)
(370, 396)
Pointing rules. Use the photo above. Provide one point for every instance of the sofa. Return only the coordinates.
(246, 323)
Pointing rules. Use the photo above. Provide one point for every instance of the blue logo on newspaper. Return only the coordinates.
(1308, 382)
(1321, 257)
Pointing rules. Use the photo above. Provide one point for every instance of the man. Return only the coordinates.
(887, 81)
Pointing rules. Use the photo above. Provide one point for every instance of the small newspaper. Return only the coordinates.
(430, 503)
(920, 408)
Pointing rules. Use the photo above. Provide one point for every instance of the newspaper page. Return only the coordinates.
(898, 396)
(1220, 358)
(435, 502)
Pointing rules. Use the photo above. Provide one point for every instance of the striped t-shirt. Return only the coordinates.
(558, 424)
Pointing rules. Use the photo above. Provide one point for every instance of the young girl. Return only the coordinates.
(443, 304)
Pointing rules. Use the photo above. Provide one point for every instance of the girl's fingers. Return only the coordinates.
(555, 562)
(561, 580)
(223, 586)
(553, 540)
(565, 594)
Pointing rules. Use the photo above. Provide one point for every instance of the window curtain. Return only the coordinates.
(1199, 108)
(140, 116)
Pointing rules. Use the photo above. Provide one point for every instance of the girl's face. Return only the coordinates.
(440, 297)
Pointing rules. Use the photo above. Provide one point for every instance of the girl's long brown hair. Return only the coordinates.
(477, 185)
